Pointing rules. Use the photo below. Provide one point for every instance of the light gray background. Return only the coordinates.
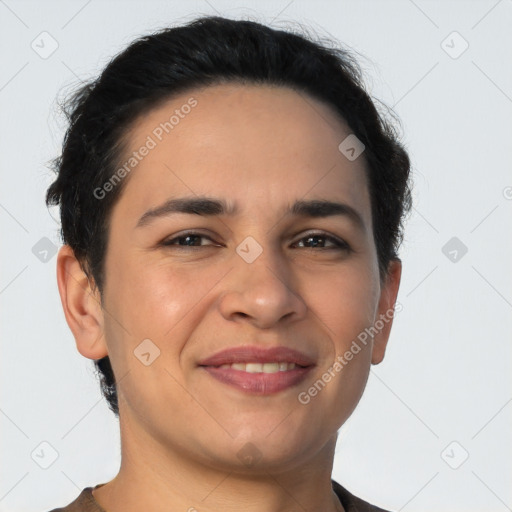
(446, 376)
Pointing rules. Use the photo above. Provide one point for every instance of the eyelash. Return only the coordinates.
(341, 245)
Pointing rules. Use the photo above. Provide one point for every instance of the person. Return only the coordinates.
(232, 204)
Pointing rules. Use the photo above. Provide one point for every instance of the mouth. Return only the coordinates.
(258, 371)
(254, 367)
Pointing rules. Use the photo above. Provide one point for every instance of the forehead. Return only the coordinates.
(254, 143)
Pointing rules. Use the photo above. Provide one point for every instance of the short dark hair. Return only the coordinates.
(212, 50)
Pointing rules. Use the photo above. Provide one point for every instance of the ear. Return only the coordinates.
(81, 303)
(384, 320)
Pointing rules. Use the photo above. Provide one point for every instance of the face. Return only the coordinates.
(208, 292)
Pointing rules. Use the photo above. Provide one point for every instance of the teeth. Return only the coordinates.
(270, 367)
(260, 367)
(254, 367)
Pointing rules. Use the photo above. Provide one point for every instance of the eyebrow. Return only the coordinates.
(208, 207)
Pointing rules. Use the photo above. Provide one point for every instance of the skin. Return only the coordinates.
(261, 148)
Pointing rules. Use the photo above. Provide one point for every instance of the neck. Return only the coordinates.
(158, 478)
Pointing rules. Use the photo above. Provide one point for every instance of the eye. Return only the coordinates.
(318, 240)
(186, 240)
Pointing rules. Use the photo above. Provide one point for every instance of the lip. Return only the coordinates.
(258, 383)
(251, 354)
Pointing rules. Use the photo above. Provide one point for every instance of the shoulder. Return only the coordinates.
(352, 503)
(84, 502)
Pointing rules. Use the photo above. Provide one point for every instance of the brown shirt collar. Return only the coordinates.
(85, 502)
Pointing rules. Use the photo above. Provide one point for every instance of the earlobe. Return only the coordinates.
(385, 313)
(81, 304)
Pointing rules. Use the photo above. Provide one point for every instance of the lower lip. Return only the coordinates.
(259, 383)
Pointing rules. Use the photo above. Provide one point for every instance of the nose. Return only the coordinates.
(262, 292)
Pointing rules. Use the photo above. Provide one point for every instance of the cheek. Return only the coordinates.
(160, 301)
(344, 301)
(154, 302)
(345, 307)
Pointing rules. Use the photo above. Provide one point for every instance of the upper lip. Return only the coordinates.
(252, 354)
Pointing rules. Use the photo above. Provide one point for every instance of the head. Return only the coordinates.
(258, 118)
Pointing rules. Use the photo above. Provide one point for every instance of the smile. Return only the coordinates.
(260, 367)
(257, 370)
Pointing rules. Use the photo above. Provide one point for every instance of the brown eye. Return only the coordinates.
(319, 240)
(186, 240)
